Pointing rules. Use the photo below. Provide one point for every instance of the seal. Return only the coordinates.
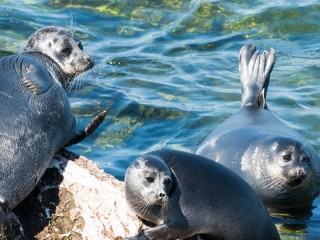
(37, 119)
(276, 161)
(187, 195)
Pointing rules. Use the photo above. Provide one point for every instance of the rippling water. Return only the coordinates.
(167, 71)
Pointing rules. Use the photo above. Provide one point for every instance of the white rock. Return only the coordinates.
(82, 202)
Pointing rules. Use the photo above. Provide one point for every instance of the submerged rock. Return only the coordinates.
(74, 200)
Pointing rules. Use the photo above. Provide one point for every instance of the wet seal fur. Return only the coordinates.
(187, 195)
(277, 162)
(37, 119)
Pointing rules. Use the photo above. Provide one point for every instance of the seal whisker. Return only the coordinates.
(79, 81)
(310, 136)
(309, 189)
(142, 206)
(275, 183)
(171, 163)
(72, 24)
(315, 178)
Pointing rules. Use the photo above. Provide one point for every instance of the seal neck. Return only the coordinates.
(53, 68)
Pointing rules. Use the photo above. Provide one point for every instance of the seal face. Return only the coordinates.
(64, 49)
(38, 119)
(153, 187)
(188, 195)
(277, 162)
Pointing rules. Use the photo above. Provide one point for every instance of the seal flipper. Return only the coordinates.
(5, 227)
(91, 127)
(36, 78)
(255, 73)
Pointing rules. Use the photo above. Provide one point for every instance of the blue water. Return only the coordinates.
(167, 71)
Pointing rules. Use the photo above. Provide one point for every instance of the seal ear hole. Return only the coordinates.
(150, 179)
(80, 46)
(287, 157)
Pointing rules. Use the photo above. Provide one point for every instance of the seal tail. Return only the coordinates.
(255, 70)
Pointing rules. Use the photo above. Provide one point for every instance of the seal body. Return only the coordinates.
(36, 118)
(188, 195)
(277, 162)
(33, 127)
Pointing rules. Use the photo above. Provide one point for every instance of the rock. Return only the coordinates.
(74, 199)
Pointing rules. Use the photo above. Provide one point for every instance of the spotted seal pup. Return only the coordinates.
(186, 195)
(277, 162)
(36, 119)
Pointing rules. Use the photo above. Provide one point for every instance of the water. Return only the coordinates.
(167, 71)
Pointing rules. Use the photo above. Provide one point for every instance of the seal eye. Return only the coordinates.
(150, 179)
(66, 52)
(167, 181)
(80, 46)
(306, 160)
(286, 157)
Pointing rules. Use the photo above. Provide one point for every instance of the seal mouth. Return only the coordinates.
(90, 64)
(295, 182)
(162, 200)
(83, 67)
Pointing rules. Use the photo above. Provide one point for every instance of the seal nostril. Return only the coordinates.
(89, 60)
(162, 195)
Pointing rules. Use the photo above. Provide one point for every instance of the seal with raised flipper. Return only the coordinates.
(37, 119)
(186, 195)
(277, 162)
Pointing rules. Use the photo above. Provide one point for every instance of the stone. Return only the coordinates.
(75, 199)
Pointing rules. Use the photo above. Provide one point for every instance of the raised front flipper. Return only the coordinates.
(91, 127)
(255, 73)
(5, 227)
(35, 77)
(164, 231)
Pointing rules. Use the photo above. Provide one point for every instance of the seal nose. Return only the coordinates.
(89, 60)
(162, 195)
(300, 172)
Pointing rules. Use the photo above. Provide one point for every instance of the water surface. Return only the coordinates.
(167, 71)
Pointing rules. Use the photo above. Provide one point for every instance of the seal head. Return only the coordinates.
(150, 185)
(63, 48)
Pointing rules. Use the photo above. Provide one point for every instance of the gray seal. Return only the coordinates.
(187, 195)
(277, 162)
(37, 119)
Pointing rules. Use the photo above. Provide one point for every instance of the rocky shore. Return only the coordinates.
(75, 200)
